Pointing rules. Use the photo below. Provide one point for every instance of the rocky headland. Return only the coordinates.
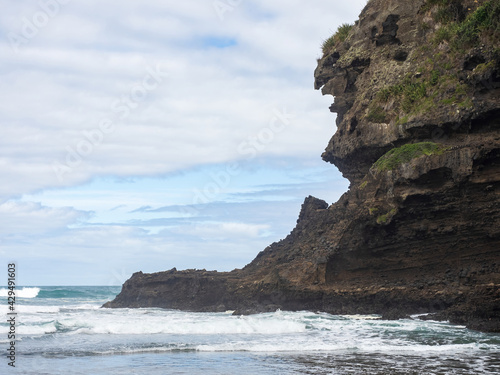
(417, 95)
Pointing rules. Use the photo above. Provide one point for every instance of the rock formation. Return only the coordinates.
(417, 96)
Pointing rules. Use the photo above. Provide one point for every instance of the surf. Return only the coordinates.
(26, 292)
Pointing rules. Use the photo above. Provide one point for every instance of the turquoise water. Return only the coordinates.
(63, 330)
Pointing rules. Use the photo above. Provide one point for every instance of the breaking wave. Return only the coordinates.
(21, 293)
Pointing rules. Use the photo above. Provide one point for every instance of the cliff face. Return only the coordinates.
(417, 96)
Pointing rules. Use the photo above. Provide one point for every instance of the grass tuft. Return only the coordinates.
(339, 37)
(410, 90)
(463, 32)
(382, 219)
(377, 115)
(397, 156)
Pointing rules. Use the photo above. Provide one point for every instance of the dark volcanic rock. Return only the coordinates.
(419, 229)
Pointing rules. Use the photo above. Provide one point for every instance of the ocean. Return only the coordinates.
(63, 330)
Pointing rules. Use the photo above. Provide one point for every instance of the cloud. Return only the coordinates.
(223, 231)
(224, 80)
(151, 91)
(33, 219)
(150, 232)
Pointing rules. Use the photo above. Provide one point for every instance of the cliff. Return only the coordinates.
(417, 96)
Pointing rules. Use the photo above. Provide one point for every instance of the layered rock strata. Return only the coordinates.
(417, 96)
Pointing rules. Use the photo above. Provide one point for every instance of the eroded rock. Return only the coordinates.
(418, 234)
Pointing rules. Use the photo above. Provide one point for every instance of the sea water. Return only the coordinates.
(64, 330)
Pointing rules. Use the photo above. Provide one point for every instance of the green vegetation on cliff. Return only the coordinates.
(467, 30)
(435, 84)
(397, 156)
(437, 80)
(410, 90)
(339, 37)
(382, 219)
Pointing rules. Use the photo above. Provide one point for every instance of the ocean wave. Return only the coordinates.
(21, 293)
(276, 345)
(37, 309)
(123, 324)
(121, 350)
(78, 294)
(270, 332)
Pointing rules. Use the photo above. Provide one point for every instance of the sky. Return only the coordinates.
(146, 135)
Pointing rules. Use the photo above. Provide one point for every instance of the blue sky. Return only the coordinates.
(150, 135)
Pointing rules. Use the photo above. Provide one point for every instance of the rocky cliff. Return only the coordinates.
(417, 96)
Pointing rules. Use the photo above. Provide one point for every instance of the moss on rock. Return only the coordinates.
(397, 156)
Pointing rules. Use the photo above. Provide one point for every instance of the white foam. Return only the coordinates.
(34, 309)
(127, 322)
(21, 293)
(362, 317)
(334, 344)
(32, 328)
(289, 344)
(270, 332)
(75, 308)
(37, 330)
(36, 320)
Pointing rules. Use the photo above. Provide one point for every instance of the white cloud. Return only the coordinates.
(65, 79)
(30, 218)
(224, 230)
